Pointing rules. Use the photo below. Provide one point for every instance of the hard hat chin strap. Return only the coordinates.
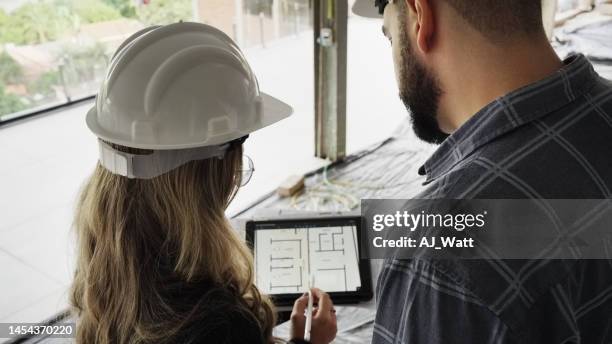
(147, 166)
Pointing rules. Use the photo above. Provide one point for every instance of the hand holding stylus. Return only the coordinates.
(324, 326)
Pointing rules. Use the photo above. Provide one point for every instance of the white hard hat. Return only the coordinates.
(183, 90)
(369, 8)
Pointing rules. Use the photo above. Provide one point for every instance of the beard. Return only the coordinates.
(420, 92)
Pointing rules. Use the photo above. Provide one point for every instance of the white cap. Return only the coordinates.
(176, 87)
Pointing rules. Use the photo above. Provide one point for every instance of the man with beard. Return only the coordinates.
(513, 121)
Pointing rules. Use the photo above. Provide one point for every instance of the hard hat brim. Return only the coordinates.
(366, 8)
(273, 110)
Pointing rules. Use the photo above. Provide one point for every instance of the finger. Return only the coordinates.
(299, 306)
(324, 302)
(317, 294)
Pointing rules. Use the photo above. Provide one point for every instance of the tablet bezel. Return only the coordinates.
(363, 294)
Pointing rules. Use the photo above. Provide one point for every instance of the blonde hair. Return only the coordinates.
(140, 239)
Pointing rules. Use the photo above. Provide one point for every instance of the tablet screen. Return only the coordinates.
(287, 254)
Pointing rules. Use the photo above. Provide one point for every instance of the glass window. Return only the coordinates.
(56, 51)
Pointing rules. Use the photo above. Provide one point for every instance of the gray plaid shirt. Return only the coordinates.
(550, 140)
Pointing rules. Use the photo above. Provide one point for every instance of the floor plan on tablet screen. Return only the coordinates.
(286, 257)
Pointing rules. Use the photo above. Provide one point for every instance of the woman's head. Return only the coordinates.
(172, 113)
(146, 246)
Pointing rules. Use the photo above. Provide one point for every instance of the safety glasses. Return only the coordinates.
(247, 170)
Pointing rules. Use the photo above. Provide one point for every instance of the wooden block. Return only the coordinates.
(290, 186)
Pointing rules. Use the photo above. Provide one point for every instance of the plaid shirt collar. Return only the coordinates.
(510, 112)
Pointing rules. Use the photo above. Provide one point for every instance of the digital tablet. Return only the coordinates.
(288, 252)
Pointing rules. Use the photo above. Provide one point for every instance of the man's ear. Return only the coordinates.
(425, 23)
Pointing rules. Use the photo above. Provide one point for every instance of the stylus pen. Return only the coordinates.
(308, 317)
(308, 326)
